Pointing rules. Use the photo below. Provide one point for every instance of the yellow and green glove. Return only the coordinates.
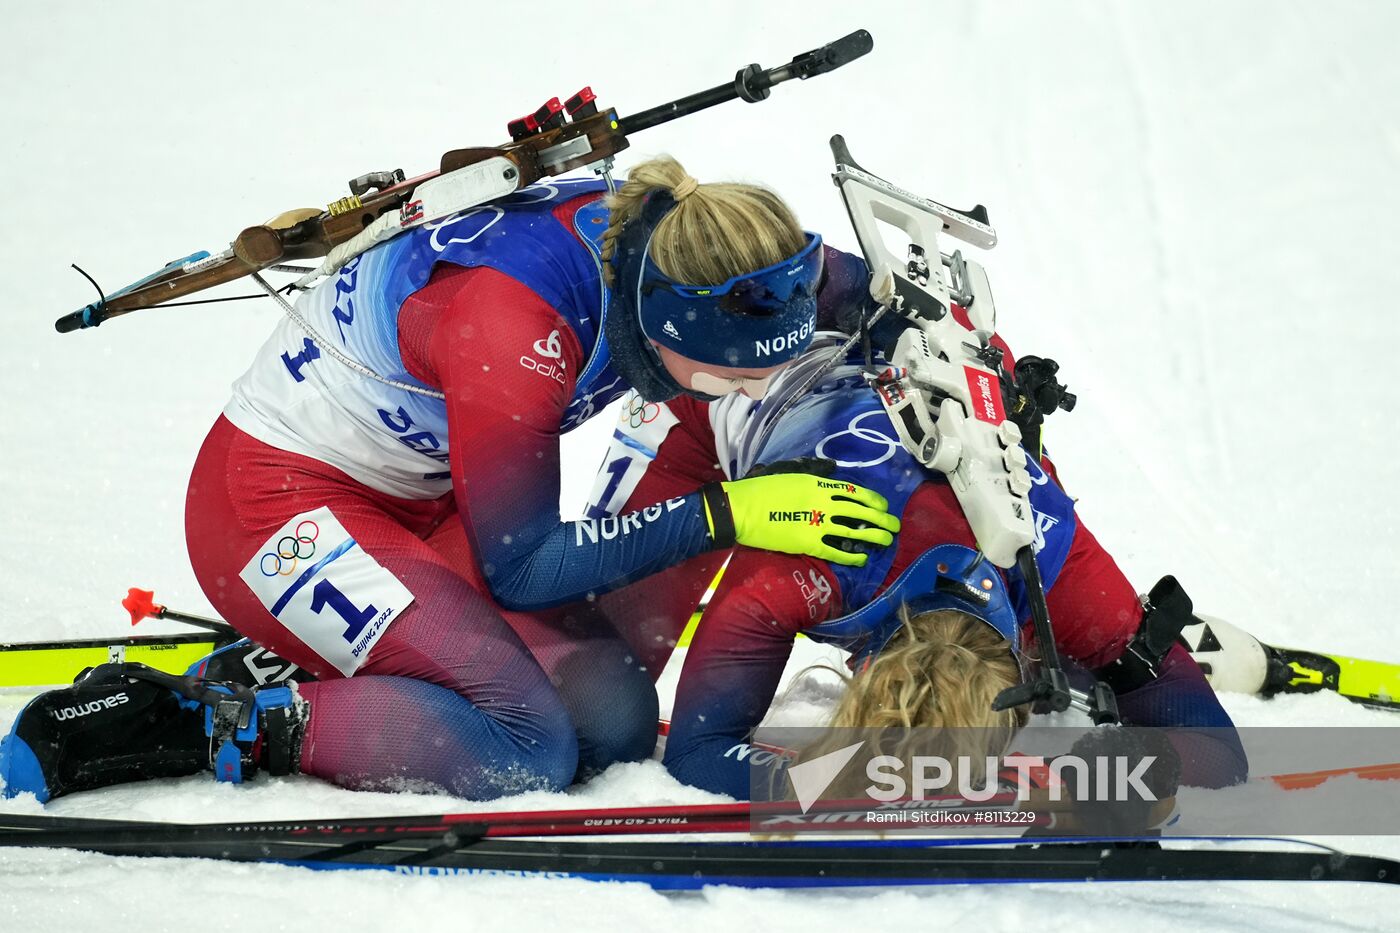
(800, 513)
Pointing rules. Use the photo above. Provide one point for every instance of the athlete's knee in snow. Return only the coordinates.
(707, 766)
(433, 736)
(614, 712)
(542, 757)
(624, 729)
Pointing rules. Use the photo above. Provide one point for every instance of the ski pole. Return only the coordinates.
(142, 605)
(774, 817)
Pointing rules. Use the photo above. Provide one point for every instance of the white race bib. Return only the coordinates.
(640, 430)
(322, 586)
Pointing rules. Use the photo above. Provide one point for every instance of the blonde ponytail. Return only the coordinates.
(715, 232)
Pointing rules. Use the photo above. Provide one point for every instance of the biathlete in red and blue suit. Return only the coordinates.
(378, 503)
(737, 656)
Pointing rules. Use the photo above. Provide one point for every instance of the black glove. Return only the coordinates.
(1125, 747)
(884, 335)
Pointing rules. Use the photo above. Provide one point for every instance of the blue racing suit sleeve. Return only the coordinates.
(735, 664)
(1182, 702)
(508, 378)
(845, 293)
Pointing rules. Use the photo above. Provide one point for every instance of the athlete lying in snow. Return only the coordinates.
(943, 667)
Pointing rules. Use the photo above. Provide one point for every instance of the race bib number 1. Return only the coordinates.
(640, 431)
(321, 585)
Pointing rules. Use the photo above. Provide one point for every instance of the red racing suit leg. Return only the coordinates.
(448, 696)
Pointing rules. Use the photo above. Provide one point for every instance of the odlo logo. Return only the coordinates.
(550, 349)
(811, 518)
(85, 709)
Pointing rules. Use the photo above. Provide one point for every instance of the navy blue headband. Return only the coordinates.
(752, 321)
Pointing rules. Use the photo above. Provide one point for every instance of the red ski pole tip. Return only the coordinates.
(141, 604)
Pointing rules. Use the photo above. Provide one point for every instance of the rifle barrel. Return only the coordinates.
(752, 83)
(677, 108)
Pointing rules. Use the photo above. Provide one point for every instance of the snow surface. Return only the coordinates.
(1198, 218)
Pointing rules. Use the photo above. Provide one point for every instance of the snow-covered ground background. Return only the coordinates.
(1198, 216)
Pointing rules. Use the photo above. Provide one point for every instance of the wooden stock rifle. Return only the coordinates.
(555, 139)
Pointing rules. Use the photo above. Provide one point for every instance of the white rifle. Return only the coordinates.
(942, 391)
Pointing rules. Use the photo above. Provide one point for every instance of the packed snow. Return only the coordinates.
(1198, 219)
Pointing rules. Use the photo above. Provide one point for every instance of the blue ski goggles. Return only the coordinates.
(754, 321)
(948, 576)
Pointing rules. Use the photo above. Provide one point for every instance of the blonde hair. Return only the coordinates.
(716, 230)
(941, 671)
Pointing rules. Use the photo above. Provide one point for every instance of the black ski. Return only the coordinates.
(420, 847)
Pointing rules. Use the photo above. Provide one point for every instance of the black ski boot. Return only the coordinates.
(244, 662)
(128, 722)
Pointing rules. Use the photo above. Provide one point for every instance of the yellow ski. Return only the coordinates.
(1373, 683)
(44, 664)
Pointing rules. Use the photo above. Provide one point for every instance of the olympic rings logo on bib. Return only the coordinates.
(325, 590)
(639, 412)
(291, 550)
(884, 444)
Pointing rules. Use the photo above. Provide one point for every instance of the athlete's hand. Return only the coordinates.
(1114, 753)
(800, 513)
